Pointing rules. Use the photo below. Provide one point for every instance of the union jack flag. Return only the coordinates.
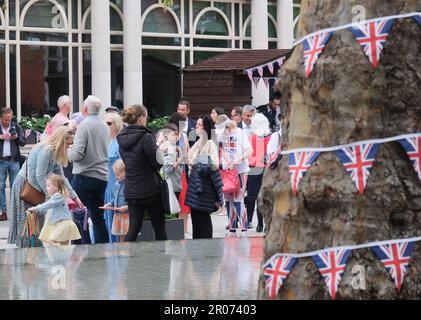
(299, 163)
(358, 161)
(275, 271)
(256, 82)
(372, 36)
(413, 150)
(395, 257)
(270, 67)
(418, 19)
(313, 47)
(250, 74)
(260, 71)
(331, 265)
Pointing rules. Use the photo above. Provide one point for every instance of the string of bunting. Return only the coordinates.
(357, 158)
(331, 263)
(266, 80)
(260, 69)
(370, 34)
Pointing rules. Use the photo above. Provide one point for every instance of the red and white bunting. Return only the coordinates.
(395, 257)
(371, 36)
(331, 265)
(256, 82)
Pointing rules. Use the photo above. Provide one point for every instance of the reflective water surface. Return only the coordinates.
(187, 269)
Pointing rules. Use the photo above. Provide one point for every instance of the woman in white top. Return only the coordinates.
(235, 149)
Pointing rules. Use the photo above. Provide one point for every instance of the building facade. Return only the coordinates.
(80, 47)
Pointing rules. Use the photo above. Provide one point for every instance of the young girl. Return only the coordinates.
(59, 228)
(120, 224)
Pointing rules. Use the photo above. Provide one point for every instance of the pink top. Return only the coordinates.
(57, 121)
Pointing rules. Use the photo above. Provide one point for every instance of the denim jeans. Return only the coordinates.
(91, 193)
(7, 167)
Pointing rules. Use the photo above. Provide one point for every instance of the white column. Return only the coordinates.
(133, 84)
(285, 27)
(101, 54)
(259, 40)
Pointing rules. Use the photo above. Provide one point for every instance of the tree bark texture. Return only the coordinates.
(346, 100)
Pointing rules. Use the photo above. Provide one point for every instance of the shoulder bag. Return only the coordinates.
(29, 194)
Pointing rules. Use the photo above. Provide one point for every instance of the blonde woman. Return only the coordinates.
(46, 158)
(115, 125)
(235, 149)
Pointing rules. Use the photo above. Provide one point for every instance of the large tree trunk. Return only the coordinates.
(346, 100)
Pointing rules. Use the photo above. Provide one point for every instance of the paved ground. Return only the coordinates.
(219, 223)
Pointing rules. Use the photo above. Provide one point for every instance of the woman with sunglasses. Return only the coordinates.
(115, 125)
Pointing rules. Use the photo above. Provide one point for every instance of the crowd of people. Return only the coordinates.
(115, 167)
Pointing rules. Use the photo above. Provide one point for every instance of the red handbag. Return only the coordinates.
(230, 180)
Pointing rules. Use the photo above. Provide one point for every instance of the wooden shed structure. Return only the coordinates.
(221, 82)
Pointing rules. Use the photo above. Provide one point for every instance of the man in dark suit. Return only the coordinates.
(190, 128)
(236, 115)
(272, 111)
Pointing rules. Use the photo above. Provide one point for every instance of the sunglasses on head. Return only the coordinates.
(109, 123)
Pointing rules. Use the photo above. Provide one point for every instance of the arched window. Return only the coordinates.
(116, 23)
(44, 14)
(271, 29)
(212, 23)
(160, 21)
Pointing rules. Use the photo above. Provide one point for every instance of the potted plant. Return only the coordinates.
(173, 225)
(157, 124)
(34, 127)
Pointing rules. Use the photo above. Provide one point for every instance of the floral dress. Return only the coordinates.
(113, 156)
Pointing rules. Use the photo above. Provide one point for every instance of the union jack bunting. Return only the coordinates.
(413, 150)
(395, 257)
(280, 61)
(358, 161)
(260, 71)
(331, 265)
(270, 67)
(275, 271)
(313, 47)
(250, 74)
(418, 19)
(266, 80)
(256, 82)
(299, 163)
(371, 36)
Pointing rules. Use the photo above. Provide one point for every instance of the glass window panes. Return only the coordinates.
(199, 6)
(160, 21)
(212, 23)
(208, 43)
(44, 36)
(2, 76)
(161, 41)
(44, 78)
(116, 24)
(271, 29)
(145, 4)
(161, 69)
(225, 8)
(44, 14)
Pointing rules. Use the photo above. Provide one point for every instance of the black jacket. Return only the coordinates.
(14, 144)
(138, 151)
(204, 188)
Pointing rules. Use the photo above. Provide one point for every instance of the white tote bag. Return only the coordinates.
(174, 205)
